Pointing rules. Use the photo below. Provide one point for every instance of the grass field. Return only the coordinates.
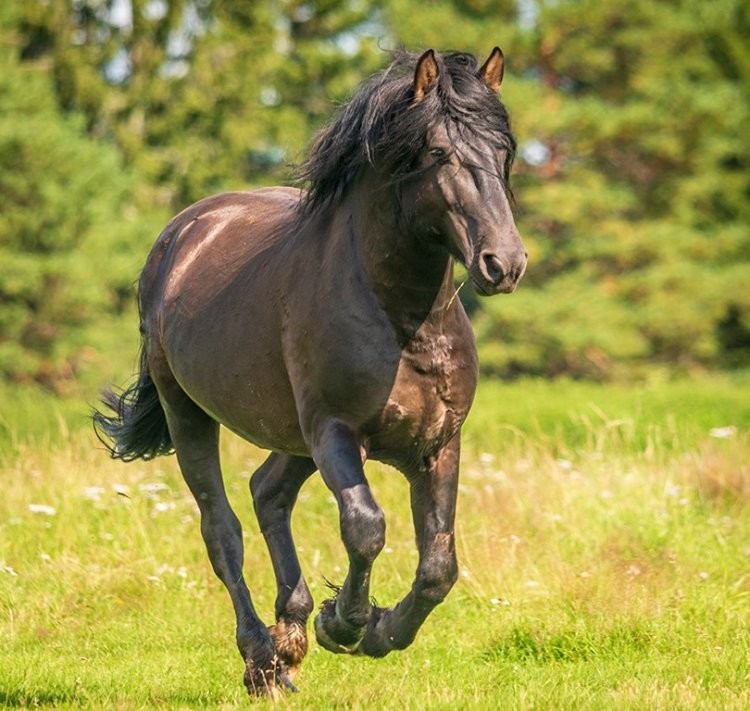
(603, 537)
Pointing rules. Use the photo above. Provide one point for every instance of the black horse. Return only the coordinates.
(324, 326)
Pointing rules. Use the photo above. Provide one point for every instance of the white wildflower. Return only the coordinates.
(93, 493)
(499, 601)
(42, 509)
(162, 506)
(7, 569)
(152, 487)
(723, 432)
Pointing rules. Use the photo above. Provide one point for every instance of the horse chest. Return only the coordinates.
(432, 393)
(431, 363)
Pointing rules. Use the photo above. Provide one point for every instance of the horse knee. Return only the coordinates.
(362, 524)
(438, 570)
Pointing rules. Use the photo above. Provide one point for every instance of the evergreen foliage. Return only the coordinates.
(68, 247)
(635, 183)
(633, 176)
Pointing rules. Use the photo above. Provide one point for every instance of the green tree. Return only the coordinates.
(642, 195)
(69, 228)
(203, 95)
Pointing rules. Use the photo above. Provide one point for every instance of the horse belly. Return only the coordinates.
(238, 378)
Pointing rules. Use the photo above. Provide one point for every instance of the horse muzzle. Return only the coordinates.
(497, 273)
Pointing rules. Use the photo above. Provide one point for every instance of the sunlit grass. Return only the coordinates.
(604, 562)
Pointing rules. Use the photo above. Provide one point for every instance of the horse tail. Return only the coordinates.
(138, 428)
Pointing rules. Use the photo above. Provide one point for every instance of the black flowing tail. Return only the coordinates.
(138, 427)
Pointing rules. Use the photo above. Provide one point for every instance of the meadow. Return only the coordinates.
(603, 537)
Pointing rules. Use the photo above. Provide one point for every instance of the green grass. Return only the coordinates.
(603, 537)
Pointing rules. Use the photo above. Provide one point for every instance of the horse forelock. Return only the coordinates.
(382, 125)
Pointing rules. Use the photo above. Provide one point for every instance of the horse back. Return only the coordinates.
(221, 232)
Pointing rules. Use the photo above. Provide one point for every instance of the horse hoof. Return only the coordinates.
(269, 683)
(327, 643)
(287, 684)
(375, 642)
(333, 634)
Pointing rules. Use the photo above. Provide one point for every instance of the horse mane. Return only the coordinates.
(383, 124)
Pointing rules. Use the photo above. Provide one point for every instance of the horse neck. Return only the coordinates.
(412, 281)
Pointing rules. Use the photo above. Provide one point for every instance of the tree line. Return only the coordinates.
(632, 176)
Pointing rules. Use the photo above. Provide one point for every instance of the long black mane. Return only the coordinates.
(383, 124)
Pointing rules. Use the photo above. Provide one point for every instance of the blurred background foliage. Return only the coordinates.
(632, 178)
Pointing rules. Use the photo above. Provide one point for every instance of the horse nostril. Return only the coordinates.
(493, 267)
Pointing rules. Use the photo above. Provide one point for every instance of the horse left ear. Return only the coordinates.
(492, 70)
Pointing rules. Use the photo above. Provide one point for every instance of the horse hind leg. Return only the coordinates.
(195, 437)
(274, 488)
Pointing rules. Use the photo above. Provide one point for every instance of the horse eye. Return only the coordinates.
(438, 154)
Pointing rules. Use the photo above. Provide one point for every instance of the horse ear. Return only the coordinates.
(425, 74)
(492, 70)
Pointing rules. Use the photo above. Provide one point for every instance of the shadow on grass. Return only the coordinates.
(575, 645)
(86, 698)
(24, 699)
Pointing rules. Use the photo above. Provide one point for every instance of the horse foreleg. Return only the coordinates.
(196, 440)
(343, 619)
(433, 501)
(274, 487)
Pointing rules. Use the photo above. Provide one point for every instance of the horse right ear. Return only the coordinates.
(492, 70)
(425, 75)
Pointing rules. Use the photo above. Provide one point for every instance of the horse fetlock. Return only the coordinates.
(295, 605)
(290, 642)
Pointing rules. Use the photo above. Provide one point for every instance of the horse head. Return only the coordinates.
(458, 194)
